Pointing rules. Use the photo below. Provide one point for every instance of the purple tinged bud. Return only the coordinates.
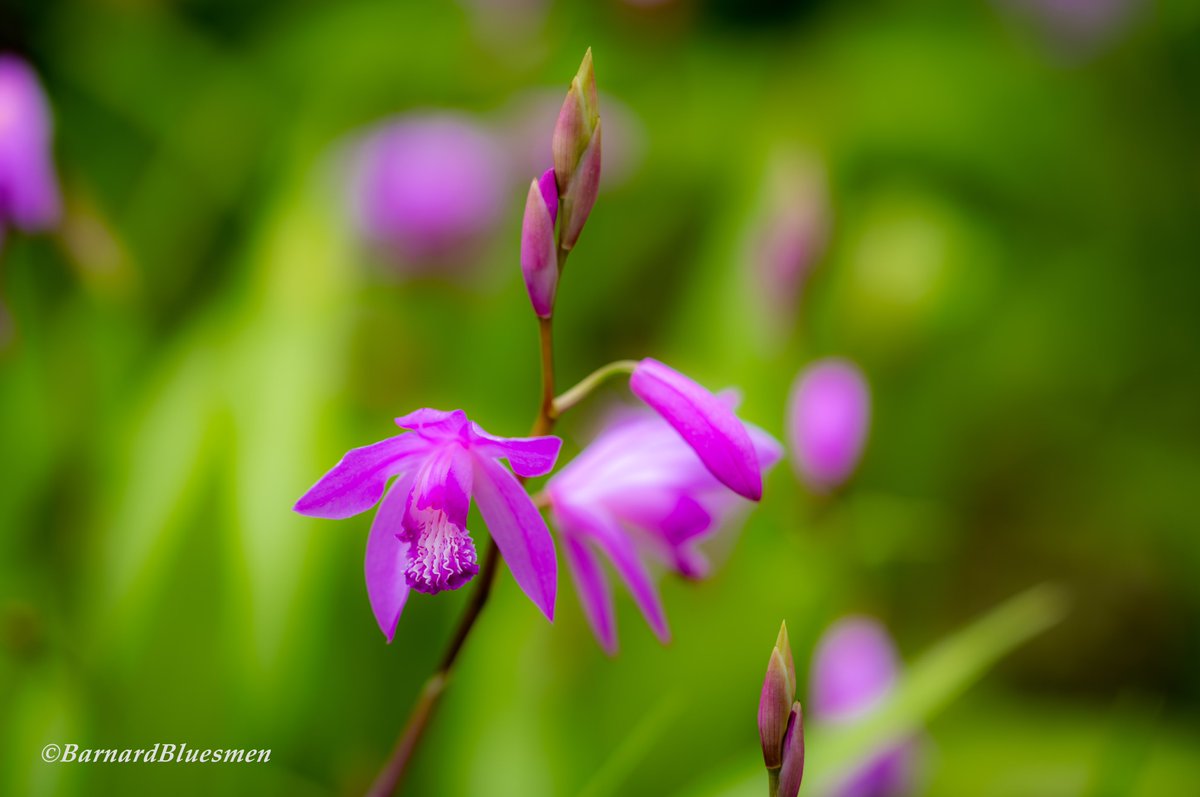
(778, 693)
(581, 196)
(706, 423)
(828, 417)
(539, 255)
(793, 754)
(548, 185)
(29, 196)
(576, 149)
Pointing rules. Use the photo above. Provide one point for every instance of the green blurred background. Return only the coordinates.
(1011, 259)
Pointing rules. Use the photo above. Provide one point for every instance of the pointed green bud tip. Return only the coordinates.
(785, 649)
(773, 709)
(576, 124)
(585, 80)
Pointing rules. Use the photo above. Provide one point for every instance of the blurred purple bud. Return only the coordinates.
(828, 417)
(789, 236)
(1077, 27)
(774, 705)
(854, 669)
(576, 149)
(539, 254)
(29, 196)
(428, 188)
(793, 754)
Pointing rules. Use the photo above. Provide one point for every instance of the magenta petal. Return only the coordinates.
(619, 549)
(519, 531)
(594, 594)
(539, 251)
(705, 422)
(528, 456)
(357, 482)
(434, 423)
(386, 559)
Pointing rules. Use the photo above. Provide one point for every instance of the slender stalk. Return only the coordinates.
(546, 414)
(589, 383)
(773, 782)
(390, 777)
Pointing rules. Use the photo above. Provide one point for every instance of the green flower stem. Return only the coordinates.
(589, 383)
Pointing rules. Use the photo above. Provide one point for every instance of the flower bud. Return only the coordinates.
(29, 196)
(539, 255)
(793, 754)
(828, 415)
(576, 147)
(581, 193)
(775, 705)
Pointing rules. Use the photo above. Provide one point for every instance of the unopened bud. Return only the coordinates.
(576, 146)
(539, 255)
(773, 708)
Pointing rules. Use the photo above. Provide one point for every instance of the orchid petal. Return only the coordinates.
(528, 456)
(595, 596)
(519, 531)
(616, 545)
(434, 423)
(705, 422)
(357, 482)
(386, 557)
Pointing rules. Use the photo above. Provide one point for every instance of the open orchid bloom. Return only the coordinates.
(29, 198)
(641, 488)
(419, 538)
(854, 669)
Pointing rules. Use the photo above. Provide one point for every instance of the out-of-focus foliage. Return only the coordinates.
(1010, 259)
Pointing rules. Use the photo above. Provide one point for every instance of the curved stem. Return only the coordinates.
(389, 778)
(589, 383)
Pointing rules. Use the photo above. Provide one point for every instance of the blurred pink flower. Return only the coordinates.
(789, 236)
(29, 196)
(854, 669)
(428, 188)
(829, 413)
(1078, 25)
